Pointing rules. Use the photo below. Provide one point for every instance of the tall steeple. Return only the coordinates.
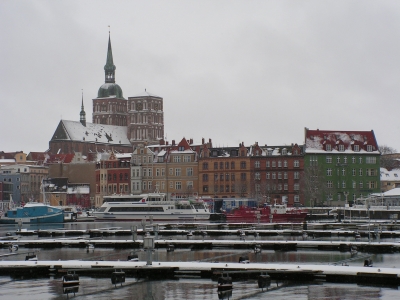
(83, 114)
(109, 68)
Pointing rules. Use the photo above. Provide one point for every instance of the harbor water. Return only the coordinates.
(26, 287)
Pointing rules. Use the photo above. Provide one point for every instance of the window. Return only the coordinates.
(227, 188)
(354, 184)
(353, 172)
(171, 171)
(343, 184)
(360, 185)
(353, 160)
(205, 177)
(329, 159)
(215, 166)
(296, 164)
(279, 187)
(189, 171)
(279, 164)
(232, 165)
(285, 186)
(186, 158)
(273, 164)
(285, 175)
(360, 160)
(371, 184)
(343, 172)
(267, 164)
(356, 148)
(205, 188)
(267, 175)
(178, 185)
(162, 172)
(296, 186)
(370, 160)
(221, 165)
(284, 151)
(257, 176)
(273, 175)
(369, 148)
(360, 172)
(279, 175)
(329, 172)
(345, 159)
(329, 184)
(221, 177)
(341, 148)
(243, 176)
(296, 175)
(296, 198)
(338, 159)
(232, 177)
(226, 177)
(157, 172)
(243, 165)
(257, 164)
(285, 163)
(205, 166)
(328, 147)
(227, 165)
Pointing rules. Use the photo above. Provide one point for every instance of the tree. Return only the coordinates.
(387, 159)
(314, 185)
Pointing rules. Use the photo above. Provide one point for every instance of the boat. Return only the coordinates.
(33, 213)
(278, 213)
(152, 206)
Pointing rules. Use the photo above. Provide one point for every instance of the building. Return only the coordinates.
(168, 168)
(389, 179)
(112, 175)
(340, 166)
(118, 124)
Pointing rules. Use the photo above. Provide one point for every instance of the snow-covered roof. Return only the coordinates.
(393, 175)
(78, 190)
(316, 141)
(98, 133)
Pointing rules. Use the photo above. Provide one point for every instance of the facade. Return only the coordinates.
(112, 175)
(224, 172)
(26, 180)
(276, 173)
(77, 174)
(341, 165)
(167, 168)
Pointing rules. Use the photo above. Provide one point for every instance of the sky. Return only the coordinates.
(232, 71)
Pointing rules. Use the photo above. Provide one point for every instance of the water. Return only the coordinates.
(193, 289)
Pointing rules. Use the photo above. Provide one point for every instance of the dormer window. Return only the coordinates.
(181, 148)
(284, 151)
(395, 175)
(341, 148)
(356, 148)
(369, 148)
(328, 147)
(269, 152)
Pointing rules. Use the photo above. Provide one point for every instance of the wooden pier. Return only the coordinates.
(238, 271)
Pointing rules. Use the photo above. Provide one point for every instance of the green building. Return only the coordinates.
(340, 166)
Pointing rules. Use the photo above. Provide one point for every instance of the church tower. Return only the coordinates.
(110, 106)
(83, 114)
(146, 119)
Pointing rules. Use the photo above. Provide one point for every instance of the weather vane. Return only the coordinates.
(108, 28)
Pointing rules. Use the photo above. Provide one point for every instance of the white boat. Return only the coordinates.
(153, 206)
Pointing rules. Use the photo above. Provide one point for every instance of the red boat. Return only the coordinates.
(267, 214)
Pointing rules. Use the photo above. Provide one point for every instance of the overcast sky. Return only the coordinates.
(232, 71)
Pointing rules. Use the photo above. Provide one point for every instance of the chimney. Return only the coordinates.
(173, 142)
(202, 141)
(191, 141)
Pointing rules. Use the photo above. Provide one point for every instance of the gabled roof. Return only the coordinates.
(316, 141)
(91, 133)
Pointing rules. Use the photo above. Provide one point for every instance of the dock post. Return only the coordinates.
(148, 244)
(156, 229)
(134, 232)
(19, 224)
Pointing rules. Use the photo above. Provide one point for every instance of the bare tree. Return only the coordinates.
(314, 185)
(387, 159)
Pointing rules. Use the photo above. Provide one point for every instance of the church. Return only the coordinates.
(118, 124)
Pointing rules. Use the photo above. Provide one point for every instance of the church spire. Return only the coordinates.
(83, 114)
(109, 68)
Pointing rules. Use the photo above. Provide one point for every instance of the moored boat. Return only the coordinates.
(153, 206)
(279, 213)
(32, 213)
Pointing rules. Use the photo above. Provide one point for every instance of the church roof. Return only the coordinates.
(145, 94)
(91, 133)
